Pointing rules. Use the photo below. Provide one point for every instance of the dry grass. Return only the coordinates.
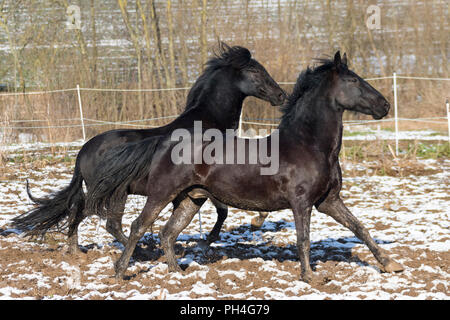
(379, 156)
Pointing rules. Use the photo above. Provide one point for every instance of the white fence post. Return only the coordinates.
(202, 236)
(240, 125)
(394, 77)
(448, 119)
(81, 112)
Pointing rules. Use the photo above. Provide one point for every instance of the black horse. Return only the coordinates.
(215, 99)
(310, 136)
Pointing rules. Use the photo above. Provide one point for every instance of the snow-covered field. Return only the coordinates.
(408, 215)
(366, 133)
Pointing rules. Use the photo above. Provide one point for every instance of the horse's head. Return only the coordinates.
(256, 81)
(250, 76)
(353, 93)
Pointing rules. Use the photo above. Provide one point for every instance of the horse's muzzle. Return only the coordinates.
(278, 99)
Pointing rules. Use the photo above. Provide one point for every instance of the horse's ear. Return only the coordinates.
(344, 58)
(337, 59)
(223, 47)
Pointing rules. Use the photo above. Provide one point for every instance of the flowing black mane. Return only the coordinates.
(237, 57)
(308, 80)
(226, 56)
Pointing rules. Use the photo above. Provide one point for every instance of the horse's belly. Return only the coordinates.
(245, 188)
(249, 200)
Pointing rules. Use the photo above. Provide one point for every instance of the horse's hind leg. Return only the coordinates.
(72, 240)
(114, 221)
(258, 221)
(222, 213)
(182, 215)
(338, 211)
(148, 216)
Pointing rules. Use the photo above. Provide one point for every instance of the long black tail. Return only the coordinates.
(55, 212)
(119, 167)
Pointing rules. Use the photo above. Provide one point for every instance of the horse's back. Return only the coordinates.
(92, 150)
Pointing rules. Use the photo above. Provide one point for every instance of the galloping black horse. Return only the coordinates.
(310, 136)
(215, 99)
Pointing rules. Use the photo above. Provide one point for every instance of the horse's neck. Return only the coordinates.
(219, 104)
(223, 105)
(319, 125)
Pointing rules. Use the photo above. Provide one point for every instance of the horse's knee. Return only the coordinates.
(328, 205)
(323, 207)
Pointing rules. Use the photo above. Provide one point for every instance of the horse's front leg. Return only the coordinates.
(302, 218)
(335, 208)
(183, 213)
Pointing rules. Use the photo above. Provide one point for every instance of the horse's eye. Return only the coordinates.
(352, 79)
(253, 70)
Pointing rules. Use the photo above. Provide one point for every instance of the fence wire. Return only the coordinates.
(250, 121)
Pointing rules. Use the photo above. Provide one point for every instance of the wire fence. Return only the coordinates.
(88, 122)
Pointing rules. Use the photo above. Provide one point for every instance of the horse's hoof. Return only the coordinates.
(307, 277)
(119, 277)
(174, 268)
(120, 271)
(256, 223)
(211, 239)
(204, 245)
(74, 250)
(393, 266)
